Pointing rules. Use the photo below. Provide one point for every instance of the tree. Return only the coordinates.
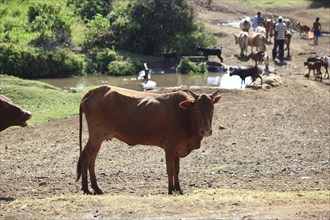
(53, 27)
(151, 26)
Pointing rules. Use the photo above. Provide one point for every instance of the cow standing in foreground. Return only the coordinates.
(173, 121)
(11, 114)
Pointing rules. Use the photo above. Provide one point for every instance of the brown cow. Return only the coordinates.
(11, 114)
(173, 121)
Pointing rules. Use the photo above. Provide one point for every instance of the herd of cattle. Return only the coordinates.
(177, 121)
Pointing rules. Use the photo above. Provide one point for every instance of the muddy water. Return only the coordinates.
(220, 80)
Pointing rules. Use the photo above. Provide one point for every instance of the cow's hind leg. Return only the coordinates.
(91, 167)
(84, 160)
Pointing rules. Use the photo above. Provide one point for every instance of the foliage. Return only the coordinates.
(98, 60)
(29, 62)
(53, 27)
(143, 28)
(185, 66)
(87, 9)
(130, 26)
(122, 68)
(98, 34)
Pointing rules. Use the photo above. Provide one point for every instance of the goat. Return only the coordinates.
(314, 66)
(259, 57)
(303, 28)
(254, 72)
(324, 61)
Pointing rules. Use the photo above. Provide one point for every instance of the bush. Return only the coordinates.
(187, 67)
(29, 63)
(98, 33)
(122, 68)
(98, 61)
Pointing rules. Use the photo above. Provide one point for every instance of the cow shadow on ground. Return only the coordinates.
(7, 199)
(242, 58)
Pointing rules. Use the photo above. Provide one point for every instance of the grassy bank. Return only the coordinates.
(43, 100)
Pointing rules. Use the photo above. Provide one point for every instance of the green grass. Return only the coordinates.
(43, 100)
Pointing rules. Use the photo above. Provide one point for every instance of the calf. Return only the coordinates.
(303, 28)
(324, 61)
(259, 57)
(11, 114)
(253, 72)
(314, 66)
(208, 52)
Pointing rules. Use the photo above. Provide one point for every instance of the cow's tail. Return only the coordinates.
(80, 143)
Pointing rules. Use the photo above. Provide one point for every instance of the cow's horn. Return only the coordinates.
(215, 93)
(192, 93)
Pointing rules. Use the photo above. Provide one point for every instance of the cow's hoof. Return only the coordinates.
(87, 192)
(98, 192)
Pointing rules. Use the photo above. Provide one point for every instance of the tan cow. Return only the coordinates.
(243, 41)
(257, 40)
(173, 121)
(245, 24)
(269, 26)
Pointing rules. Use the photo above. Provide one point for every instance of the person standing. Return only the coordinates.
(317, 30)
(258, 20)
(279, 39)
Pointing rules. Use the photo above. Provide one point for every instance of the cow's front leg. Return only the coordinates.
(176, 175)
(170, 167)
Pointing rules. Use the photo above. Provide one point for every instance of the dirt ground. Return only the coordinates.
(268, 157)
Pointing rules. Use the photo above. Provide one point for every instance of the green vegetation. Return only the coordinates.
(43, 100)
(48, 38)
(188, 67)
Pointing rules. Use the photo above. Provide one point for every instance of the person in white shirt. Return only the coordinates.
(279, 39)
(257, 21)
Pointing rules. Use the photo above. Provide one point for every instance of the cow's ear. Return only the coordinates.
(187, 104)
(217, 98)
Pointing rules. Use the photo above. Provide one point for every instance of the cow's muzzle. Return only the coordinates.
(25, 117)
(205, 132)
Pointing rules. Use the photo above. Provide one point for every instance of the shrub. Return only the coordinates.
(98, 61)
(185, 66)
(29, 63)
(98, 33)
(122, 68)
